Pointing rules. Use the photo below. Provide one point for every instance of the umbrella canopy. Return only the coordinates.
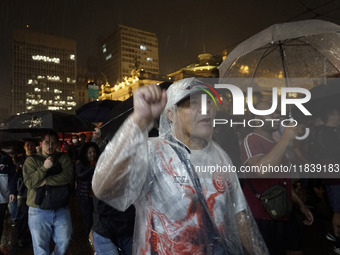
(119, 114)
(9, 138)
(96, 111)
(35, 121)
(302, 49)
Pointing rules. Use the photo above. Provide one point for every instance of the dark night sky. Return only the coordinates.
(183, 27)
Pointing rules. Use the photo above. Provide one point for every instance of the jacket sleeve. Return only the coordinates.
(67, 174)
(83, 172)
(122, 168)
(34, 173)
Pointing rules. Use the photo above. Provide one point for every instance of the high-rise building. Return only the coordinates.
(44, 72)
(124, 50)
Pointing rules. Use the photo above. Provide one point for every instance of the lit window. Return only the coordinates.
(46, 59)
(72, 57)
(149, 59)
(142, 47)
(108, 57)
(53, 78)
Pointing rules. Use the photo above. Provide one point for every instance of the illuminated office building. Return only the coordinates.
(124, 50)
(43, 72)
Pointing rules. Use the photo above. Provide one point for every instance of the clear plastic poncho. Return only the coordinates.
(178, 210)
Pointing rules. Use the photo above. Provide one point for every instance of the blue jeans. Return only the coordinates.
(104, 246)
(13, 209)
(47, 224)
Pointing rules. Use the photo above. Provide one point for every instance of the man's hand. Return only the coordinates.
(97, 133)
(48, 163)
(148, 103)
(308, 214)
(289, 133)
(11, 198)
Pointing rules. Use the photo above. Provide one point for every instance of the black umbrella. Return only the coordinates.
(119, 114)
(96, 111)
(10, 139)
(38, 121)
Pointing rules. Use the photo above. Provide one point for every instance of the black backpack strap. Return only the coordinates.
(251, 186)
(217, 244)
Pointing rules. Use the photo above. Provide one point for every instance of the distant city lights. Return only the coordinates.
(46, 59)
(53, 78)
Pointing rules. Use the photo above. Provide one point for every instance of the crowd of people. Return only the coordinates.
(143, 195)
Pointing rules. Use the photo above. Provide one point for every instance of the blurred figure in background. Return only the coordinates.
(89, 155)
(7, 185)
(327, 153)
(83, 139)
(112, 229)
(21, 228)
(74, 148)
(259, 148)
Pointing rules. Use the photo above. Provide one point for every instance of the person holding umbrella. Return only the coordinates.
(48, 177)
(178, 208)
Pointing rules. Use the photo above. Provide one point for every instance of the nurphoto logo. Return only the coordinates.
(239, 104)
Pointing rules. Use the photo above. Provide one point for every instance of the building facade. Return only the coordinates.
(205, 67)
(44, 72)
(123, 90)
(124, 50)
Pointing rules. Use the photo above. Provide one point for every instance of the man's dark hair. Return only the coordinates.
(49, 133)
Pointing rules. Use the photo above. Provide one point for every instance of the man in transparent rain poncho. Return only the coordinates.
(178, 210)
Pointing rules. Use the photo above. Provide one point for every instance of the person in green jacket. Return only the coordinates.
(45, 173)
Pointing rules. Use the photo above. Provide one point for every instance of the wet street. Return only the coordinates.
(314, 240)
